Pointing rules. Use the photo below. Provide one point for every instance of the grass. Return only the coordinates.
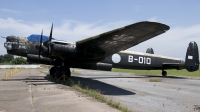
(183, 72)
(154, 80)
(95, 94)
(6, 63)
(75, 73)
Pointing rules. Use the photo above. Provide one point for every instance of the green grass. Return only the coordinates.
(6, 63)
(76, 73)
(95, 94)
(158, 72)
(154, 80)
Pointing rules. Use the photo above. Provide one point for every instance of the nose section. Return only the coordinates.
(8, 45)
(8, 38)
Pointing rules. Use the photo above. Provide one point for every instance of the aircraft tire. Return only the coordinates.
(164, 73)
(62, 71)
(67, 72)
(59, 72)
(52, 71)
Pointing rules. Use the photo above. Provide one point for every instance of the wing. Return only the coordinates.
(122, 38)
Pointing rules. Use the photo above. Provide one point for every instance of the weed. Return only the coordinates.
(154, 80)
(95, 94)
(174, 72)
(76, 73)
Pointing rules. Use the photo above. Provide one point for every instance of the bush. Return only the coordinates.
(6, 58)
(19, 60)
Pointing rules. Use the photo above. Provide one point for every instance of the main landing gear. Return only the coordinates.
(164, 73)
(58, 72)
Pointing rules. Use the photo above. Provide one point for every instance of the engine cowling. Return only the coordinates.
(35, 59)
(59, 49)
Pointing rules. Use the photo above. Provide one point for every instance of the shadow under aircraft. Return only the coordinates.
(101, 52)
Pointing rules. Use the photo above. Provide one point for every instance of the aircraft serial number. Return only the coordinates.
(141, 60)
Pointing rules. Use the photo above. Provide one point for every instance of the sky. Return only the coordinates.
(75, 20)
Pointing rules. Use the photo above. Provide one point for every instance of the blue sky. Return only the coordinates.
(76, 20)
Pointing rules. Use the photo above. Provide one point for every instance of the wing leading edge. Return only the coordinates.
(122, 38)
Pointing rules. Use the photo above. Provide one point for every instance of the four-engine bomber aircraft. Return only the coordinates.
(101, 52)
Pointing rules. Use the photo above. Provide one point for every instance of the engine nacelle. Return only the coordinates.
(35, 59)
(59, 49)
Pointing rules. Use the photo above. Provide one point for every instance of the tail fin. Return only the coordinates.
(192, 57)
(150, 50)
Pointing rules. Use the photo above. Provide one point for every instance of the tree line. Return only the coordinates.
(9, 59)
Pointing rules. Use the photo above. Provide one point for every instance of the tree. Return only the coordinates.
(1, 59)
(7, 58)
(19, 60)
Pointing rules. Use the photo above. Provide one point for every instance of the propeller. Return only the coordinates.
(50, 36)
(48, 44)
(40, 47)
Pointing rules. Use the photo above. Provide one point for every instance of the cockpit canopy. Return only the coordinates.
(36, 38)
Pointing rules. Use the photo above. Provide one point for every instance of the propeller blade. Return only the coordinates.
(50, 36)
(40, 48)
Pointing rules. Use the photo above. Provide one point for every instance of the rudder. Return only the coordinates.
(192, 57)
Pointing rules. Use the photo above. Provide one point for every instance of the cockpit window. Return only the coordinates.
(36, 38)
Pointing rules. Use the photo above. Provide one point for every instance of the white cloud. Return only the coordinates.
(138, 8)
(69, 30)
(11, 11)
(153, 19)
(74, 31)
(172, 43)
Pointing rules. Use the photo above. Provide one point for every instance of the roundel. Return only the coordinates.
(116, 58)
